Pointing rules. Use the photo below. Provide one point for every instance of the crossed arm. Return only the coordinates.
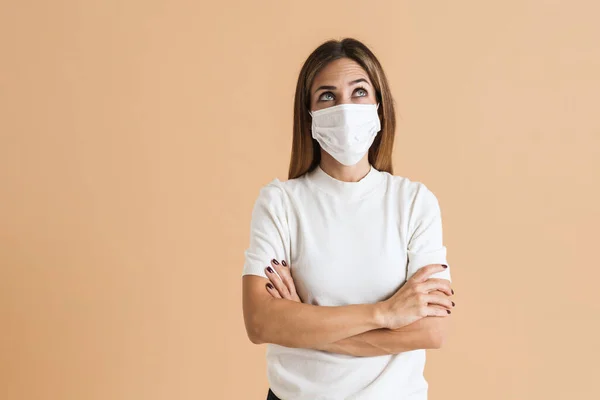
(426, 333)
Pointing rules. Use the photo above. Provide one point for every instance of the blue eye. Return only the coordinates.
(329, 94)
(362, 90)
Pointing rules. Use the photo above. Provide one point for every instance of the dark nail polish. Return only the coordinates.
(453, 304)
(275, 262)
(452, 291)
(444, 265)
(269, 285)
(270, 270)
(283, 263)
(448, 311)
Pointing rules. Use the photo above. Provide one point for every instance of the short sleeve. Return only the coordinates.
(426, 245)
(269, 232)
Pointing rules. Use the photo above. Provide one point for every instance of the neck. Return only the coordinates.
(345, 173)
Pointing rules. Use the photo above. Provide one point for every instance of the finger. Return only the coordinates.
(425, 272)
(442, 285)
(285, 275)
(436, 311)
(276, 281)
(439, 299)
(439, 308)
(271, 289)
(444, 295)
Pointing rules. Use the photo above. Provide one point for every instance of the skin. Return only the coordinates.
(413, 318)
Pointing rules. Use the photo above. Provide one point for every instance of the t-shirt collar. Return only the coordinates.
(334, 186)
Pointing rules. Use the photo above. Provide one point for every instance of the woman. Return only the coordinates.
(346, 276)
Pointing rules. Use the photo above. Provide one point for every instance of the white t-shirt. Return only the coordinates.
(346, 243)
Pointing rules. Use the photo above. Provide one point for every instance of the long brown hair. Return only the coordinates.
(306, 154)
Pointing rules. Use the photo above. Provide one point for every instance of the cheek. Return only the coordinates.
(316, 105)
(312, 103)
(368, 99)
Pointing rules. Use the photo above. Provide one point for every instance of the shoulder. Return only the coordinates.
(410, 192)
(276, 193)
(417, 202)
(284, 190)
(271, 194)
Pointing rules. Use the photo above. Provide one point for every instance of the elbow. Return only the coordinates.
(254, 334)
(436, 339)
(437, 334)
(255, 337)
(254, 330)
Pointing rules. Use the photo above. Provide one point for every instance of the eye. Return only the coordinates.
(326, 96)
(361, 92)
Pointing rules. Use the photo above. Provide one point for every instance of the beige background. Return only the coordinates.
(135, 136)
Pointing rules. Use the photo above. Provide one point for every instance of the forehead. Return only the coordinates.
(339, 71)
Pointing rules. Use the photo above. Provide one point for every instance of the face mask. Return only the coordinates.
(346, 131)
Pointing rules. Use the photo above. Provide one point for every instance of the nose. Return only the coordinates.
(344, 101)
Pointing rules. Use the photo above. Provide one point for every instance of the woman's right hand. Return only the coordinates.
(414, 301)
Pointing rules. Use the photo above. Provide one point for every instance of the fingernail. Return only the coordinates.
(270, 270)
(448, 311)
(275, 261)
(269, 285)
(283, 263)
(452, 291)
(453, 304)
(444, 265)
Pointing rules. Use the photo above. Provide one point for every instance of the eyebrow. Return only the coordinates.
(326, 87)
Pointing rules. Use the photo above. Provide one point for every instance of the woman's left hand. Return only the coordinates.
(282, 286)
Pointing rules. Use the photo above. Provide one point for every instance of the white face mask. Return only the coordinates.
(346, 131)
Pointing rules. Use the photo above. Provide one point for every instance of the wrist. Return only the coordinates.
(379, 313)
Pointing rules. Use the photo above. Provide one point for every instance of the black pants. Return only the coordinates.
(271, 395)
